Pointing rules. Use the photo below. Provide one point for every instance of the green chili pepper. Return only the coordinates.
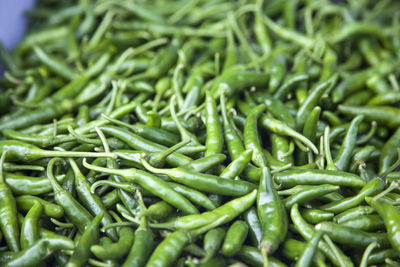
(118, 250)
(371, 188)
(351, 236)
(390, 217)
(367, 223)
(55, 64)
(89, 236)
(33, 255)
(26, 202)
(142, 246)
(204, 182)
(272, 214)
(212, 243)
(251, 136)
(293, 249)
(255, 231)
(252, 256)
(275, 107)
(25, 152)
(233, 142)
(29, 227)
(8, 211)
(342, 159)
(29, 185)
(193, 195)
(78, 215)
(379, 257)
(232, 209)
(315, 216)
(309, 194)
(236, 167)
(310, 102)
(205, 163)
(234, 238)
(387, 115)
(310, 250)
(90, 200)
(215, 139)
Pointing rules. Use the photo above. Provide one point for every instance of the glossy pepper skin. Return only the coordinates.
(142, 246)
(8, 212)
(391, 217)
(89, 236)
(272, 214)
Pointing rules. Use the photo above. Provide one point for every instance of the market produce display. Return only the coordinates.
(202, 133)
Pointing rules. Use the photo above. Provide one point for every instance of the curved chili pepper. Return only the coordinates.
(29, 227)
(26, 202)
(89, 236)
(309, 194)
(236, 167)
(90, 200)
(371, 188)
(212, 243)
(234, 238)
(78, 215)
(117, 250)
(310, 102)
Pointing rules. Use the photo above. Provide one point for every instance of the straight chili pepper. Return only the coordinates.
(8, 211)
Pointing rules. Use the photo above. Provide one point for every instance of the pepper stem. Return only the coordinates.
(124, 172)
(124, 186)
(118, 224)
(151, 168)
(367, 252)
(117, 122)
(185, 134)
(157, 159)
(330, 165)
(49, 171)
(83, 139)
(264, 253)
(61, 224)
(393, 185)
(77, 154)
(2, 160)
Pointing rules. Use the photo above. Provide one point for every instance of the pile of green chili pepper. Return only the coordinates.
(202, 133)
